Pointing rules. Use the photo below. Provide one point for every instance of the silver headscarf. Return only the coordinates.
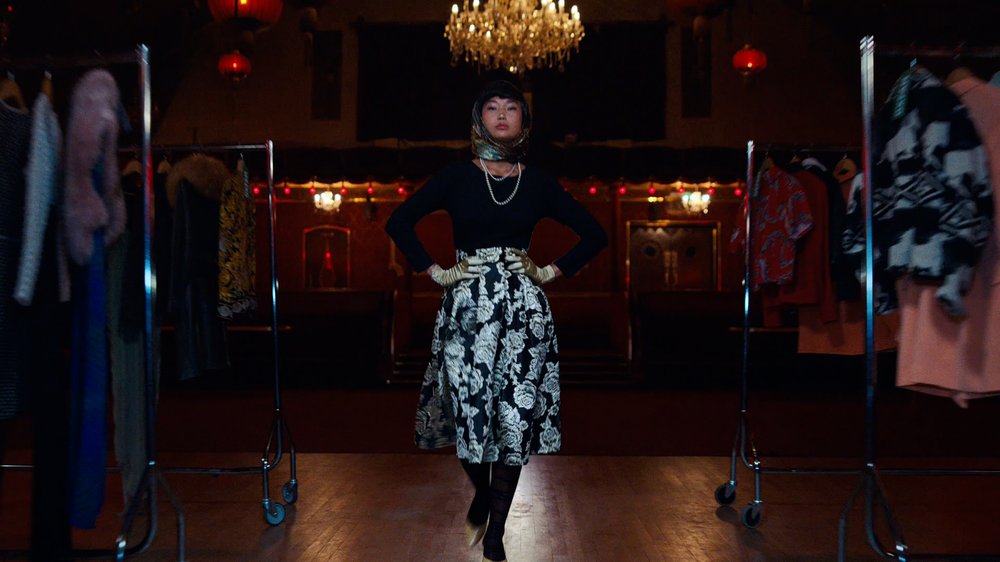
(483, 144)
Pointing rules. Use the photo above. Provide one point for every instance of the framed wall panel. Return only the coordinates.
(673, 255)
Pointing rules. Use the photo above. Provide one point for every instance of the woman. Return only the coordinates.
(492, 386)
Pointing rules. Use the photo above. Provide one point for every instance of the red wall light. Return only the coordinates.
(592, 190)
(748, 61)
(737, 192)
(622, 190)
(234, 66)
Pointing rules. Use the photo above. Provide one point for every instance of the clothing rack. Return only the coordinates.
(743, 442)
(47, 62)
(806, 148)
(870, 480)
(957, 52)
(152, 472)
(274, 512)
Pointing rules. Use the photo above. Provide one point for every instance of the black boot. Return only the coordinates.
(502, 487)
(479, 511)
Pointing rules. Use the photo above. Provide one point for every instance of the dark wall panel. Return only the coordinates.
(407, 87)
(327, 64)
(614, 88)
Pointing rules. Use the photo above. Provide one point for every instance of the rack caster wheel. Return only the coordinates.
(290, 491)
(725, 494)
(750, 515)
(274, 514)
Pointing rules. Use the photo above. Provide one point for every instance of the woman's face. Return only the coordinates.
(502, 118)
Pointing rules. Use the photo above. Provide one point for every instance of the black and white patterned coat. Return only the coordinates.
(931, 198)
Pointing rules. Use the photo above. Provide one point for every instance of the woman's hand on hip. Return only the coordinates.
(469, 268)
(519, 262)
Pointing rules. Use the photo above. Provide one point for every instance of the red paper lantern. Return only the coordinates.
(234, 66)
(748, 61)
(267, 12)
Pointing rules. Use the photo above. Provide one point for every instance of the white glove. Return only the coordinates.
(519, 262)
(469, 268)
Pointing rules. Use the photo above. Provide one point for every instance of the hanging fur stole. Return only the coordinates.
(92, 201)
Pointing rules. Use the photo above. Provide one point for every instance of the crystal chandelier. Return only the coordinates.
(516, 35)
(327, 201)
(695, 202)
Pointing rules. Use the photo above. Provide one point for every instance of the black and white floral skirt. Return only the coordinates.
(492, 385)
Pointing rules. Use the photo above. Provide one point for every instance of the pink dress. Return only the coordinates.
(942, 354)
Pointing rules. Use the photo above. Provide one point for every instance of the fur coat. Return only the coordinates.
(204, 173)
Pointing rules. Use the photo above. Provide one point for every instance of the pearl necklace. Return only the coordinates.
(494, 178)
(487, 175)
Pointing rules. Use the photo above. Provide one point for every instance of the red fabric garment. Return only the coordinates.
(812, 281)
(846, 336)
(781, 215)
(947, 355)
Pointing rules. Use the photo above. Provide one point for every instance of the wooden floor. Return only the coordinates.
(411, 507)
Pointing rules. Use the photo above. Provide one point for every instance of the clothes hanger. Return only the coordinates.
(845, 169)
(767, 163)
(164, 166)
(10, 92)
(900, 96)
(960, 72)
(134, 166)
(46, 88)
(811, 161)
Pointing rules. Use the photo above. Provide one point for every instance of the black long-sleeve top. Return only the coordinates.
(478, 222)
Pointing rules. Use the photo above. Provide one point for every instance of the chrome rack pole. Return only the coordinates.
(870, 481)
(151, 474)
